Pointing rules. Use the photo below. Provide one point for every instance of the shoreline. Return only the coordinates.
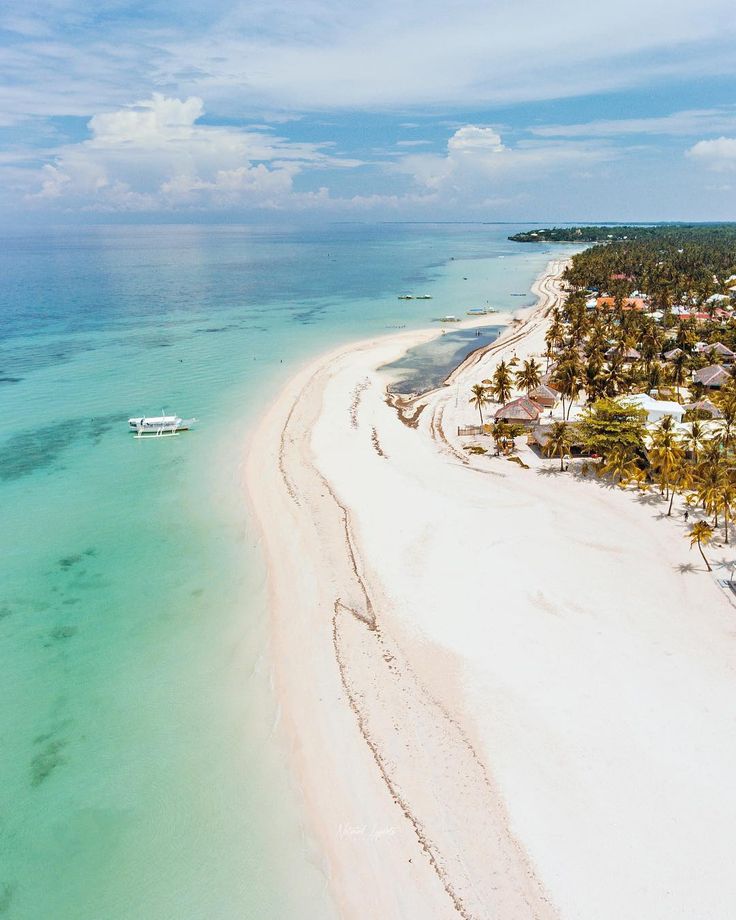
(379, 824)
(420, 718)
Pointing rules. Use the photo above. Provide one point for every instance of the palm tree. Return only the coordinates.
(567, 380)
(529, 377)
(479, 399)
(621, 465)
(728, 497)
(681, 480)
(694, 437)
(615, 377)
(727, 404)
(710, 488)
(559, 442)
(701, 533)
(502, 382)
(665, 455)
(679, 366)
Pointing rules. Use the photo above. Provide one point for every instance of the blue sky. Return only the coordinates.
(324, 109)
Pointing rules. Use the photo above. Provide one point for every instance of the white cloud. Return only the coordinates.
(477, 163)
(313, 55)
(689, 122)
(718, 154)
(155, 154)
(333, 54)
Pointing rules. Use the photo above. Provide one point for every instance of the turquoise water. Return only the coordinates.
(142, 776)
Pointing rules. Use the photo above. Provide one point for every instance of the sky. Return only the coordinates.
(495, 110)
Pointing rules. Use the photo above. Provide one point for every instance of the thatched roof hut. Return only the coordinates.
(545, 395)
(521, 410)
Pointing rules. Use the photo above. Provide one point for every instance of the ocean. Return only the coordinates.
(142, 775)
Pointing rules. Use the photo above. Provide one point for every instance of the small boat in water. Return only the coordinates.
(423, 297)
(156, 426)
(406, 297)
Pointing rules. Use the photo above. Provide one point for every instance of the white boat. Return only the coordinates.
(406, 297)
(156, 426)
(423, 297)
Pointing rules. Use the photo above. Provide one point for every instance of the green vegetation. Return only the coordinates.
(640, 317)
(608, 233)
(672, 263)
(529, 376)
(607, 427)
(479, 398)
(501, 387)
(560, 441)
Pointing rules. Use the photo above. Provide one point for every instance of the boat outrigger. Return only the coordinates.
(157, 426)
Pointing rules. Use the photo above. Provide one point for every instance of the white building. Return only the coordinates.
(656, 409)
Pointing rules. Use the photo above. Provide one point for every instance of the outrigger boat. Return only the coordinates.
(157, 426)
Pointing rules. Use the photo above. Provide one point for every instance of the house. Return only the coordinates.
(699, 317)
(628, 355)
(705, 406)
(673, 354)
(721, 352)
(712, 377)
(545, 395)
(656, 409)
(522, 410)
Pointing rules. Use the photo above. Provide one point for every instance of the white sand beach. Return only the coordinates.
(507, 693)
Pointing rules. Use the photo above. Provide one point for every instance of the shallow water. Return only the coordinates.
(141, 775)
(425, 366)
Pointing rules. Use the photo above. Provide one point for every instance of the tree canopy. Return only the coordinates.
(607, 425)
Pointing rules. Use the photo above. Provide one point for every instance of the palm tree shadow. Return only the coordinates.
(686, 568)
(649, 498)
(548, 471)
